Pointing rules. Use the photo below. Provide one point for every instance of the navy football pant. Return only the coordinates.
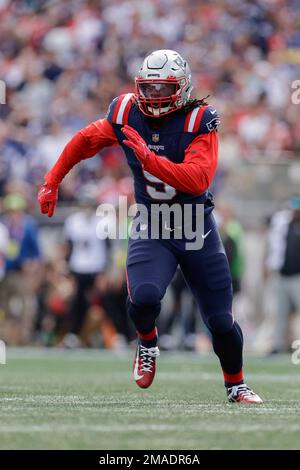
(151, 265)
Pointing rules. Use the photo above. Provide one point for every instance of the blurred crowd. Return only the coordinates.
(62, 64)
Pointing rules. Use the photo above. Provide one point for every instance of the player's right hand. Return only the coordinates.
(47, 197)
(136, 143)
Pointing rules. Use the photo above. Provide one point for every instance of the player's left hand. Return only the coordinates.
(136, 143)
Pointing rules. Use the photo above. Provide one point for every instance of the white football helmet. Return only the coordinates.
(163, 83)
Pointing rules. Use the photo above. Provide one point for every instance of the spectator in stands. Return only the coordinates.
(231, 233)
(87, 258)
(284, 258)
(22, 264)
(3, 249)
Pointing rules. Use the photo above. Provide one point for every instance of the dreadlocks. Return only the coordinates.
(192, 104)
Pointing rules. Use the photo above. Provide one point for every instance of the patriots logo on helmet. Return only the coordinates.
(180, 62)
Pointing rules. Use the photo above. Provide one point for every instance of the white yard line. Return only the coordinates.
(120, 429)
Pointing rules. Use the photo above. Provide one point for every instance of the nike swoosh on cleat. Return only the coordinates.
(204, 236)
(136, 368)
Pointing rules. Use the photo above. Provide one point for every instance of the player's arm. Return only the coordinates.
(85, 144)
(194, 175)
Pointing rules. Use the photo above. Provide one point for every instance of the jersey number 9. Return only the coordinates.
(157, 189)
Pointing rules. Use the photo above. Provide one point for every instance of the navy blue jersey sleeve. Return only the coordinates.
(111, 109)
(119, 109)
(210, 120)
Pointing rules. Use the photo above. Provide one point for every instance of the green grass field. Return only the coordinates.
(52, 399)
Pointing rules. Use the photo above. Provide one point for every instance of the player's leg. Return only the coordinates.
(207, 274)
(150, 268)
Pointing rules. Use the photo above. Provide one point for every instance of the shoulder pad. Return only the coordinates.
(202, 119)
(119, 108)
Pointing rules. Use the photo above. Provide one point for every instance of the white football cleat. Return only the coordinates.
(243, 394)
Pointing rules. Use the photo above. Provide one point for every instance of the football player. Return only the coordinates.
(171, 144)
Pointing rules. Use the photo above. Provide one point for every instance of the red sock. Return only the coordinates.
(233, 379)
(149, 340)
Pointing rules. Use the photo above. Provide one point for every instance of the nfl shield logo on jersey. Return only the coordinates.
(155, 138)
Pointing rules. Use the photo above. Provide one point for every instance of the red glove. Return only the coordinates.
(47, 197)
(137, 144)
